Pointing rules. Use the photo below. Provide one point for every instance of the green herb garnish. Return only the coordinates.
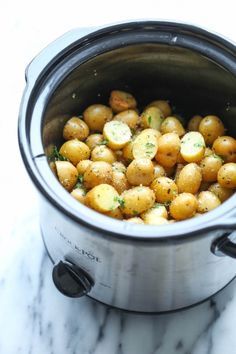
(149, 120)
(103, 142)
(135, 212)
(120, 201)
(80, 179)
(149, 145)
(198, 145)
(56, 156)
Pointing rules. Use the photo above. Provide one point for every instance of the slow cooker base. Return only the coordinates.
(153, 312)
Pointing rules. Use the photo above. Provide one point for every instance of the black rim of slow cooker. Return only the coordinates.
(187, 36)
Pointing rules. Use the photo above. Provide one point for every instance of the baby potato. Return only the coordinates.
(184, 206)
(116, 213)
(67, 174)
(103, 153)
(129, 117)
(117, 133)
(75, 128)
(95, 139)
(156, 220)
(98, 172)
(207, 201)
(210, 166)
(165, 189)
(150, 216)
(159, 170)
(137, 200)
(119, 181)
(172, 125)
(221, 192)
(193, 124)
(140, 171)
(211, 127)
(145, 145)
(192, 147)
(82, 166)
(227, 175)
(135, 220)
(152, 117)
(79, 194)
(121, 101)
(189, 179)
(118, 166)
(103, 198)
(75, 151)
(128, 151)
(225, 146)
(163, 105)
(168, 149)
(97, 115)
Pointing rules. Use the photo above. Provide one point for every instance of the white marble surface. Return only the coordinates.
(34, 317)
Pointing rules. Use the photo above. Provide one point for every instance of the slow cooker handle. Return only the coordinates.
(224, 245)
(53, 51)
(71, 280)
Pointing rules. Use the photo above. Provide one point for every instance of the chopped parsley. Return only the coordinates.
(104, 142)
(134, 212)
(149, 120)
(198, 145)
(149, 145)
(120, 201)
(56, 156)
(80, 179)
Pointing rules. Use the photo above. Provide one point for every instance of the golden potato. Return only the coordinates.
(75, 151)
(227, 175)
(75, 128)
(128, 151)
(119, 181)
(156, 220)
(225, 146)
(98, 172)
(129, 117)
(118, 166)
(184, 206)
(207, 201)
(121, 101)
(193, 124)
(95, 139)
(117, 133)
(82, 166)
(211, 127)
(210, 166)
(152, 117)
(163, 105)
(165, 189)
(172, 125)
(103, 153)
(192, 147)
(221, 192)
(168, 149)
(189, 179)
(103, 198)
(145, 145)
(67, 174)
(135, 220)
(116, 213)
(151, 215)
(97, 115)
(140, 171)
(137, 200)
(79, 194)
(159, 170)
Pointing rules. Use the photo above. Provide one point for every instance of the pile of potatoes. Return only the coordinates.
(146, 168)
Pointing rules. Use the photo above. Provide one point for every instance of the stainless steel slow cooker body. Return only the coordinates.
(133, 267)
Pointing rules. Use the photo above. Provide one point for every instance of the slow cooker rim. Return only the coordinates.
(130, 230)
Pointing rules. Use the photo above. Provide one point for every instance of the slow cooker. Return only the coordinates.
(128, 266)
